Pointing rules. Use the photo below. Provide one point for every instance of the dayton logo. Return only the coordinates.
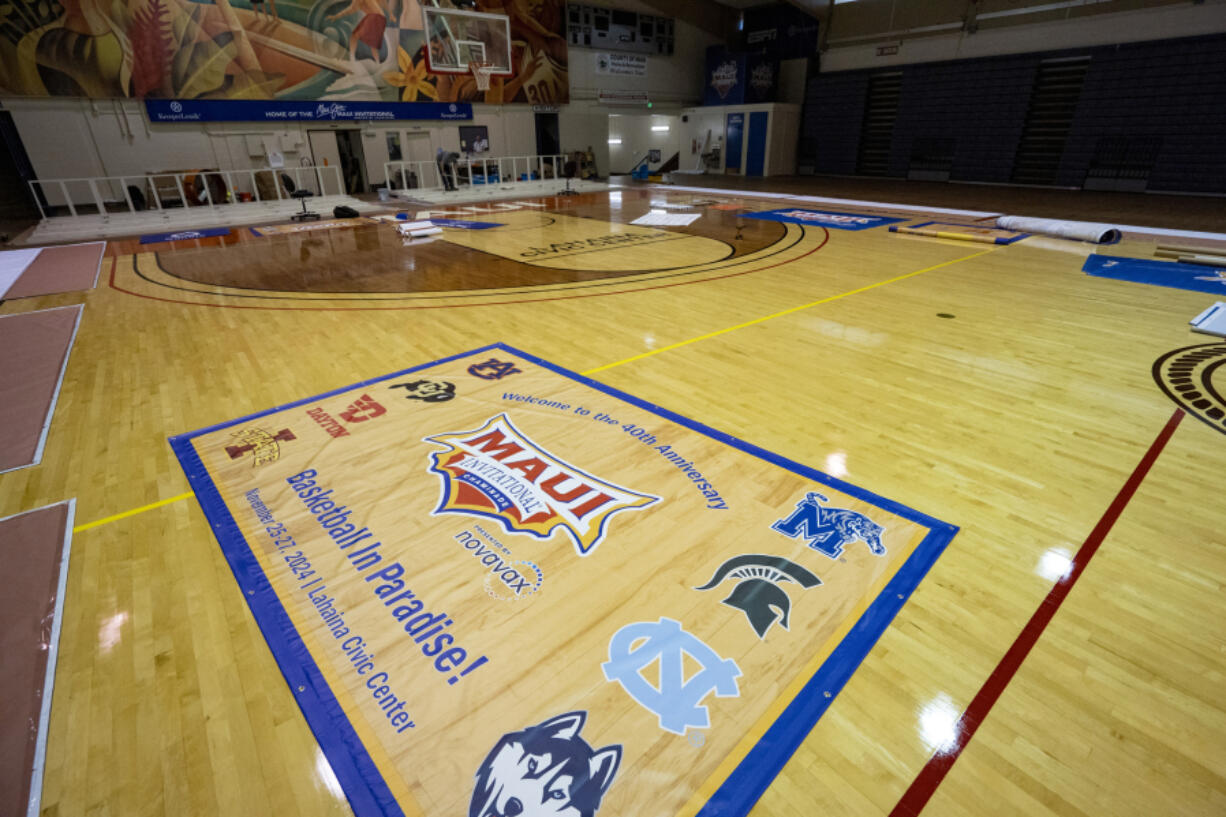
(264, 446)
(496, 471)
(677, 699)
(363, 409)
(723, 78)
(188, 234)
(359, 411)
(547, 769)
(829, 529)
(757, 593)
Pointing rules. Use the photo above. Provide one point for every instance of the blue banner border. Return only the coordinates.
(360, 779)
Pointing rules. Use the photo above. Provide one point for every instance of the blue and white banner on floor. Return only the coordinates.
(182, 235)
(825, 218)
(1197, 277)
(464, 225)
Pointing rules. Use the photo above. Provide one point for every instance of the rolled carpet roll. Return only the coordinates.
(1077, 230)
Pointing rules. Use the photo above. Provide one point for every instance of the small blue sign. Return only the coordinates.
(260, 110)
(1158, 273)
(824, 218)
(182, 235)
(464, 225)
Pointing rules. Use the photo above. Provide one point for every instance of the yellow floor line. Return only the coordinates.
(132, 512)
(765, 318)
(668, 348)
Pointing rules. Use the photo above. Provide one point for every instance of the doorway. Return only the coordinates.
(17, 203)
(353, 160)
(755, 146)
(548, 140)
(734, 139)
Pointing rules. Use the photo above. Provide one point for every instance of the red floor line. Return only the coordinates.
(930, 777)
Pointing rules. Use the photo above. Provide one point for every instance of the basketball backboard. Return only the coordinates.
(455, 38)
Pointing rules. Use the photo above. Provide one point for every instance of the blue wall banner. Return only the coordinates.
(1172, 274)
(725, 78)
(824, 218)
(261, 110)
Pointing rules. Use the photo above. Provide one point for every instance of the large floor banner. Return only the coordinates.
(498, 588)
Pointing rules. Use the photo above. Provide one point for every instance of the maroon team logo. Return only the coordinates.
(264, 446)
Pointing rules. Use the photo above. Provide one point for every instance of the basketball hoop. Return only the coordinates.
(482, 72)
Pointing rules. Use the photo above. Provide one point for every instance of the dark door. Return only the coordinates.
(548, 142)
(755, 155)
(735, 129)
(16, 201)
(353, 160)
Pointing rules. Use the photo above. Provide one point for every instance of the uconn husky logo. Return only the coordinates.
(829, 529)
(545, 769)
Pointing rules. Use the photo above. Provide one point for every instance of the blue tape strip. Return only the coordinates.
(360, 778)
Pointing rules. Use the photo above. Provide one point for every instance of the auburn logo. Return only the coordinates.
(498, 472)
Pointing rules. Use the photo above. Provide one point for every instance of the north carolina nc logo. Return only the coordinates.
(676, 700)
(496, 471)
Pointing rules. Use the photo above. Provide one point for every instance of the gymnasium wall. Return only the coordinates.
(1156, 102)
(638, 138)
(881, 33)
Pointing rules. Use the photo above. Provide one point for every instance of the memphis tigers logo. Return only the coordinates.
(547, 769)
(496, 471)
(829, 529)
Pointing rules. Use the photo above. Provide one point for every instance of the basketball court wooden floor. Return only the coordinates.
(998, 389)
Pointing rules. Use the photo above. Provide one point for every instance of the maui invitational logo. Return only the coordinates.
(723, 78)
(496, 471)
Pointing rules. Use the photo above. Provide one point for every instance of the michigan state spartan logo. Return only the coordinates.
(496, 471)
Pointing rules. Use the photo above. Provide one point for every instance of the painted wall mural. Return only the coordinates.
(361, 50)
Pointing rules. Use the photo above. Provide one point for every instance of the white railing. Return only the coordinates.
(167, 191)
(402, 175)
